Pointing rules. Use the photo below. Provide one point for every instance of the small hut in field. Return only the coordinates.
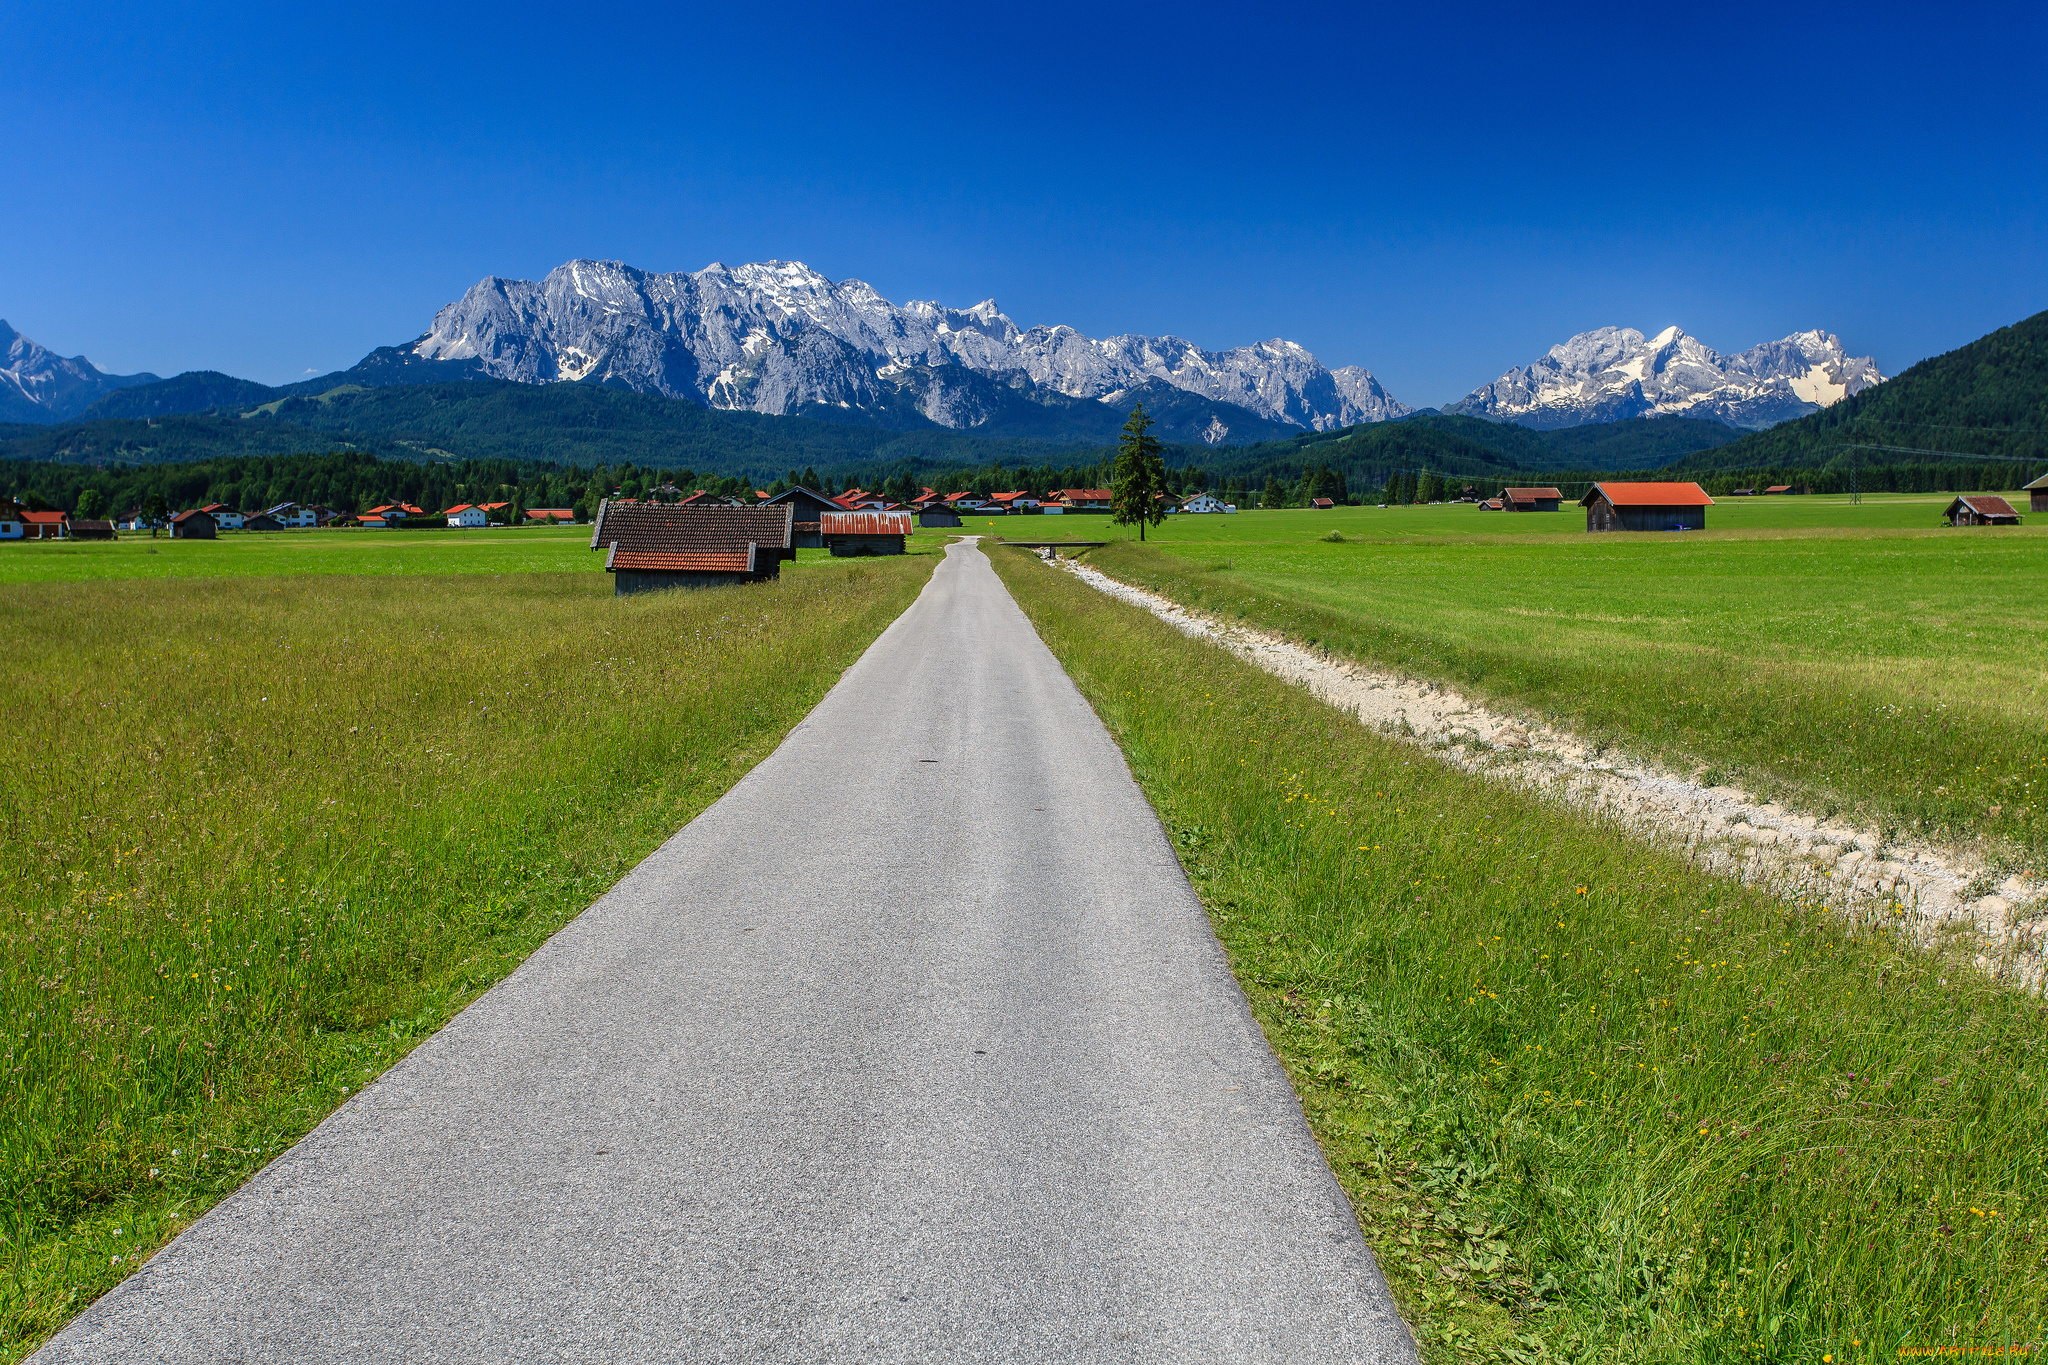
(1981, 509)
(2037, 492)
(1646, 507)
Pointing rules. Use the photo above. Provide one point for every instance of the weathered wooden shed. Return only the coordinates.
(652, 570)
(1981, 509)
(651, 545)
(865, 533)
(1530, 499)
(91, 529)
(196, 524)
(261, 521)
(810, 505)
(2037, 492)
(1646, 507)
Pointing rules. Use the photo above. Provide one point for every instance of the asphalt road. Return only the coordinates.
(916, 1046)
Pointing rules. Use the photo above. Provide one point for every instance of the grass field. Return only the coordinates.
(264, 834)
(252, 554)
(1589, 1103)
(1846, 664)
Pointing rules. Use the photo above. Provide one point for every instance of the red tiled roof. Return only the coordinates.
(1779, 488)
(550, 514)
(680, 561)
(457, 509)
(1530, 494)
(491, 506)
(864, 524)
(45, 518)
(1985, 505)
(1081, 494)
(197, 511)
(1314, 502)
(1650, 494)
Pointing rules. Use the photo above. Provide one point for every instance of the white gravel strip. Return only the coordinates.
(1938, 893)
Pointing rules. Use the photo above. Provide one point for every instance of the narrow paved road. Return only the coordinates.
(915, 1047)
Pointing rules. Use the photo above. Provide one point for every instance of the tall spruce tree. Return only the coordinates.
(1140, 473)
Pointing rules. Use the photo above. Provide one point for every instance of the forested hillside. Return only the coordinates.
(1989, 398)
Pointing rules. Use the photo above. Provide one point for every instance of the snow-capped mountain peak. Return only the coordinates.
(772, 336)
(38, 385)
(1612, 373)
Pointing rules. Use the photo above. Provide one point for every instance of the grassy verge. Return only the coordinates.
(1588, 1103)
(1877, 675)
(264, 835)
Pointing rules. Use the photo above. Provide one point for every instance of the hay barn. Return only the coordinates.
(197, 524)
(1981, 509)
(865, 533)
(1530, 499)
(2037, 493)
(651, 545)
(1646, 507)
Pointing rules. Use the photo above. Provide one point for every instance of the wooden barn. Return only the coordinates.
(91, 529)
(651, 545)
(810, 505)
(1530, 499)
(1981, 509)
(865, 533)
(261, 521)
(2037, 493)
(1646, 507)
(197, 524)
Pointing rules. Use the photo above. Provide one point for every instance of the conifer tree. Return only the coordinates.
(1140, 473)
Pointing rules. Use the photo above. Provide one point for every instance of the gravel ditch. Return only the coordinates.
(1940, 894)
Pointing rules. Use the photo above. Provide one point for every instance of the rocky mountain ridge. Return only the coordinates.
(1615, 373)
(38, 385)
(778, 337)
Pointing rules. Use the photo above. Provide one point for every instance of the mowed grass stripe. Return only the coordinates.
(1586, 1100)
(1894, 676)
(267, 834)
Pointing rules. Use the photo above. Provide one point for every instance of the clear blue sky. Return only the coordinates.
(273, 191)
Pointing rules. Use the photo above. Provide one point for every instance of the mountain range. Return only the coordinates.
(38, 385)
(777, 338)
(1615, 373)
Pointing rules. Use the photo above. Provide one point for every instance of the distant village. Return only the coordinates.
(1609, 506)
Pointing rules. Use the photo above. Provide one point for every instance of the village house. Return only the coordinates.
(11, 527)
(2037, 492)
(292, 515)
(1981, 509)
(1206, 504)
(45, 525)
(650, 545)
(547, 516)
(1081, 499)
(197, 524)
(1646, 507)
(224, 517)
(810, 505)
(865, 533)
(465, 515)
(261, 521)
(1014, 502)
(1530, 499)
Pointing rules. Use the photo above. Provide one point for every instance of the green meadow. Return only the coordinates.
(1836, 656)
(274, 824)
(1589, 1103)
(263, 554)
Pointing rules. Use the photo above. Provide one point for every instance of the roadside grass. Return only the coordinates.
(1885, 675)
(262, 836)
(1589, 1103)
(264, 554)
